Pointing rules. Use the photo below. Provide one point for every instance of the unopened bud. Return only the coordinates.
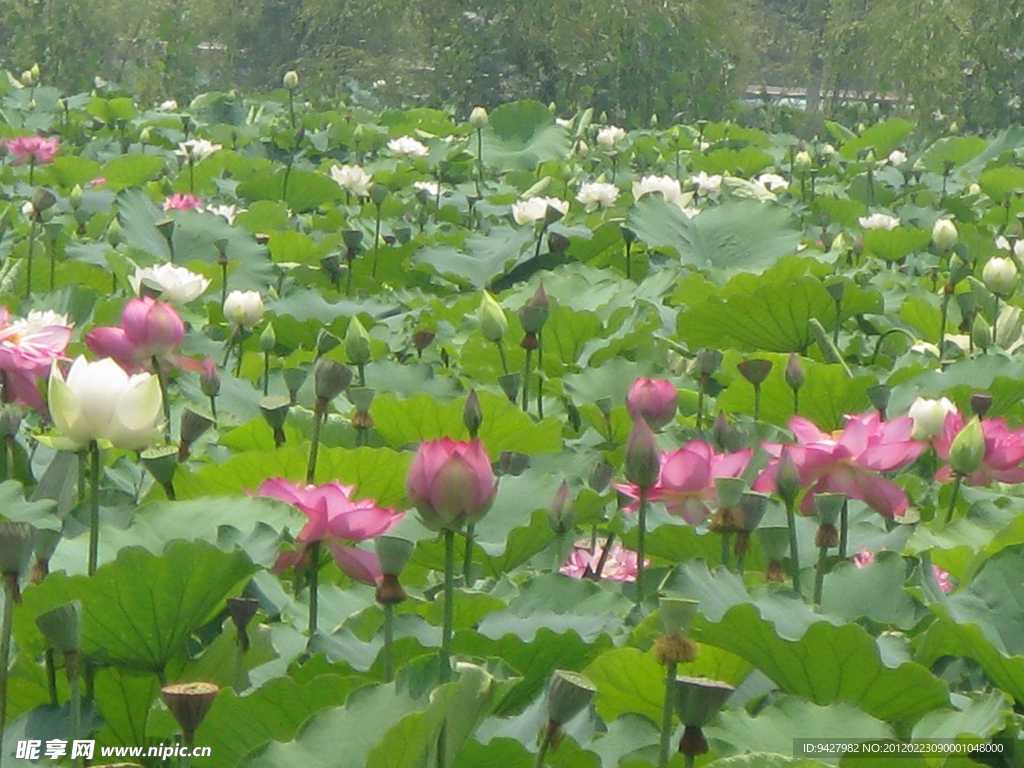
(472, 415)
(493, 323)
(534, 313)
(802, 161)
(944, 234)
(794, 371)
(642, 457)
(209, 378)
(967, 451)
(561, 517)
(291, 80)
(787, 478)
(1000, 276)
(478, 118)
(357, 342)
(268, 339)
(325, 342)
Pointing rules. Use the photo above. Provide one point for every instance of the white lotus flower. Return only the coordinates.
(38, 319)
(689, 211)
(198, 149)
(771, 182)
(407, 145)
(169, 282)
(1017, 248)
(597, 194)
(353, 178)
(929, 416)
(705, 183)
(667, 186)
(536, 209)
(610, 136)
(896, 157)
(944, 234)
(430, 187)
(244, 309)
(879, 221)
(1000, 276)
(100, 401)
(227, 212)
(168, 106)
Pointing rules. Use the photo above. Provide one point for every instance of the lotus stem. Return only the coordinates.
(449, 605)
(313, 579)
(819, 576)
(161, 378)
(376, 244)
(6, 629)
(545, 744)
(389, 642)
(467, 561)
(641, 532)
(526, 380)
(666, 714)
(794, 553)
(957, 481)
(844, 528)
(94, 507)
(31, 254)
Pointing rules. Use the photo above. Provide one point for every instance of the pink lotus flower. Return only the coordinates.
(149, 329)
(848, 461)
(654, 399)
(451, 483)
(334, 517)
(686, 479)
(620, 565)
(183, 202)
(1004, 451)
(36, 150)
(28, 347)
(866, 556)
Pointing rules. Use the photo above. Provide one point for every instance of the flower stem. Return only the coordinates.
(376, 244)
(666, 714)
(31, 253)
(76, 707)
(757, 402)
(6, 629)
(641, 532)
(995, 322)
(479, 161)
(449, 605)
(501, 352)
(319, 411)
(545, 745)
(794, 554)
(313, 578)
(526, 380)
(844, 528)
(819, 576)
(604, 555)
(94, 507)
(389, 641)
(161, 378)
(726, 541)
(266, 373)
(953, 499)
(467, 561)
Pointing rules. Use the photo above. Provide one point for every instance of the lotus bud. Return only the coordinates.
(209, 378)
(62, 627)
(493, 322)
(879, 395)
(534, 313)
(561, 517)
(755, 370)
(378, 193)
(599, 477)
(268, 339)
(707, 361)
(10, 419)
(802, 162)
(653, 400)
(967, 451)
(291, 80)
(357, 342)
(794, 371)
(421, 340)
(642, 457)
(981, 332)
(510, 385)
(358, 134)
(330, 378)
(944, 234)
(242, 610)
(478, 118)
(189, 703)
(1000, 276)
(75, 197)
(929, 417)
(569, 693)
(472, 415)
(325, 342)
(958, 270)
(980, 403)
(244, 309)
(787, 478)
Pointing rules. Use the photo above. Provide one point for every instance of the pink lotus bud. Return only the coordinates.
(451, 483)
(209, 378)
(154, 327)
(642, 458)
(787, 478)
(654, 399)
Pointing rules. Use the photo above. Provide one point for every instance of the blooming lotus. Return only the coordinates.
(707, 184)
(149, 329)
(183, 202)
(226, 212)
(879, 221)
(169, 282)
(28, 348)
(1017, 247)
(536, 209)
(619, 565)
(848, 461)
(597, 194)
(451, 483)
(353, 178)
(609, 136)
(1004, 451)
(197, 149)
(897, 157)
(333, 517)
(408, 146)
(686, 479)
(771, 182)
(667, 186)
(430, 188)
(35, 150)
(100, 401)
(929, 416)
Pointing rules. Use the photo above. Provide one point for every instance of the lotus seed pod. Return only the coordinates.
(331, 378)
(189, 703)
(569, 693)
(699, 699)
(676, 614)
(62, 627)
(393, 553)
(16, 542)
(827, 507)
